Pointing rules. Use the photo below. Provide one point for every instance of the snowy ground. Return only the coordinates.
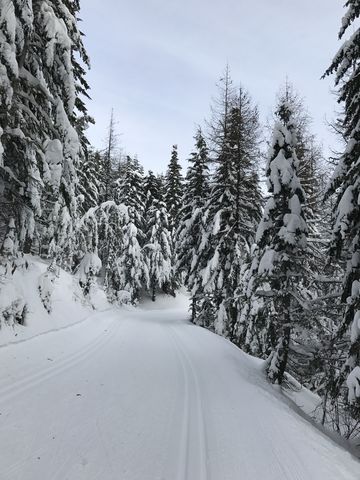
(67, 302)
(143, 395)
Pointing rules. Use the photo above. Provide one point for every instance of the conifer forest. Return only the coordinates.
(194, 322)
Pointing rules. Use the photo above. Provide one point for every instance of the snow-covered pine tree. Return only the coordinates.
(174, 189)
(19, 174)
(152, 191)
(190, 230)
(162, 184)
(345, 185)
(313, 353)
(131, 265)
(309, 342)
(158, 249)
(41, 82)
(65, 76)
(233, 209)
(275, 278)
(108, 232)
(18, 165)
(13, 307)
(129, 191)
(309, 153)
(89, 183)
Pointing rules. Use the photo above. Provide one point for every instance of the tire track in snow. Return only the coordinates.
(192, 459)
(22, 385)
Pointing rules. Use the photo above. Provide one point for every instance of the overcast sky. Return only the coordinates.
(156, 62)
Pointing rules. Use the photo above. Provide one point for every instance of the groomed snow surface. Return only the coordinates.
(144, 395)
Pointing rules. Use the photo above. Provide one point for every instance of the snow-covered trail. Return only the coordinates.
(150, 397)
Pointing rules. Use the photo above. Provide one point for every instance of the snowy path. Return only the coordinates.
(150, 397)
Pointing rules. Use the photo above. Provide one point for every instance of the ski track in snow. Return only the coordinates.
(144, 395)
(192, 461)
(23, 383)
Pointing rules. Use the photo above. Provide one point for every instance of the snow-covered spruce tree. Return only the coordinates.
(89, 183)
(158, 249)
(174, 188)
(152, 192)
(308, 151)
(129, 182)
(19, 173)
(108, 232)
(345, 185)
(191, 227)
(276, 275)
(232, 212)
(65, 79)
(41, 82)
(129, 190)
(314, 354)
(309, 340)
(131, 265)
(13, 308)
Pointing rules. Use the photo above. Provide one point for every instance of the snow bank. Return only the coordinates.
(51, 303)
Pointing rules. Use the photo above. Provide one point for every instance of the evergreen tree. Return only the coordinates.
(129, 190)
(232, 211)
(319, 285)
(132, 270)
(275, 279)
(108, 231)
(345, 186)
(311, 343)
(42, 122)
(158, 248)
(190, 230)
(130, 182)
(173, 188)
(13, 308)
(152, 191)
(89, 184)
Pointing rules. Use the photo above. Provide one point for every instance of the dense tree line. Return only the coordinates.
(263, 268)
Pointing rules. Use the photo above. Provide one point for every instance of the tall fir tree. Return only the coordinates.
(191, 228)
(173, 188)
(42, 80)
(233, 208)
(129, 191)
(89, 184)
(345, 186)
(152, 190)
(158, 249)
(275, 279)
